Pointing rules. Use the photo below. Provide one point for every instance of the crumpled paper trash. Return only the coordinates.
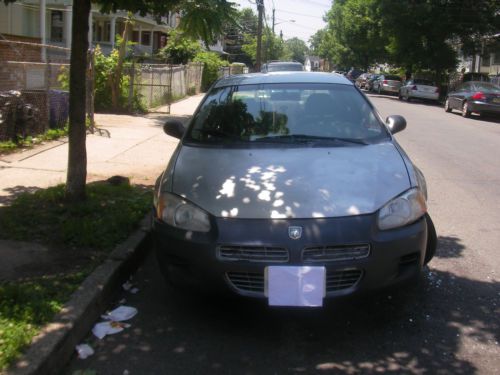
(120, 314)
(84, 351)
(103, 329)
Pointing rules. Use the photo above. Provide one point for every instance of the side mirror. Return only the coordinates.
(395, 123)
(174, 128)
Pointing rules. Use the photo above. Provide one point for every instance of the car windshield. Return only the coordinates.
(291, 113)
(284, 67)
(424, 82)
(393, 78)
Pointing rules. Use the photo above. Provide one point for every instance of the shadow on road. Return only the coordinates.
(14, 192)
(414, 330)
(449, 247)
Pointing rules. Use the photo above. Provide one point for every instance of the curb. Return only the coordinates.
(53, 347)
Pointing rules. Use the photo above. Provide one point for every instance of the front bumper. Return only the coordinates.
(357, 256)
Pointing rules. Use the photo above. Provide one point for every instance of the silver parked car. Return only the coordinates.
(419, 89)
(386, 83)
(290, 187)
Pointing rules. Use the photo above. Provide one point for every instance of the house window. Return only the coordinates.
(485, 60)
(56, 26)
(146, 38)
(135, 36)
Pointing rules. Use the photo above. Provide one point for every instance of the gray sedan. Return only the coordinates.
(474, 96)
(290, 187)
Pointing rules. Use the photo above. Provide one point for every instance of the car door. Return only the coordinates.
(463, 94)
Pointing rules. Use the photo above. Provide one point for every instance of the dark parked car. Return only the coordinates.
(474, 97)
(362, 79)
(290, 187)
(353, 73)
(282, 66)
(369, 82)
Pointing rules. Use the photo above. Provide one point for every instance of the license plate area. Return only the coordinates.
(302, 286)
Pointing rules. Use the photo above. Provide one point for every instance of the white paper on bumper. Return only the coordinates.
(295, 285)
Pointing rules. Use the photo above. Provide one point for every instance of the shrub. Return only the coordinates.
(104, 67)
(211, 64)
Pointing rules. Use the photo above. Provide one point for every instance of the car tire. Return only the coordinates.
(465, 110)
(430, 250)
(447, 107)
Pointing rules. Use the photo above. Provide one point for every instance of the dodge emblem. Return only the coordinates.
(295, 232)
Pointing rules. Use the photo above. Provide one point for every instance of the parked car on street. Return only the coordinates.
(474, 97)
(362, 79)
(369, 82)
(353, 73)
(281, 66)
(387, 83)
(290, 187)
(419, 89)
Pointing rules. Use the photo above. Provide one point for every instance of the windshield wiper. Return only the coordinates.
(304, 138)
(218, 133)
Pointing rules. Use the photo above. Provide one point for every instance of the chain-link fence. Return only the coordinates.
(32, 99)
(158, 85)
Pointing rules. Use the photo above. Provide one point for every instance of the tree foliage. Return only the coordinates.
(296, 49)
(245, 24)
(413, 34)
(180, 48)
(273, 48)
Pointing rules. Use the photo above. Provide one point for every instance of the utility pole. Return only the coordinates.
(274, 10)
(258, 58)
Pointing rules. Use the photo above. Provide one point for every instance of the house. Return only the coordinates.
(49, 22)
(488, 62)
(312, 63)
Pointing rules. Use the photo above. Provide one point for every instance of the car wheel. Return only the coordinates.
(447, 107)
(430, 250)
(465, 110)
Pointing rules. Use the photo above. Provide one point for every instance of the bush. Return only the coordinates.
(179, 49)
(104, 67)
(211, 65)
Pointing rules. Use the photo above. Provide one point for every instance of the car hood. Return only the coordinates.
(278, 183)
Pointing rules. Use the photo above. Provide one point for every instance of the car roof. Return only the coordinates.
(282, 77)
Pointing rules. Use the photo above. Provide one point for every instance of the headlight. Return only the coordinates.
(181, 214)
(402, 210)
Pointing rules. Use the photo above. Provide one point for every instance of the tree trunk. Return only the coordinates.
(77, 153)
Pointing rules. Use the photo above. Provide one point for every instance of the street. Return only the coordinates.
(448, 324)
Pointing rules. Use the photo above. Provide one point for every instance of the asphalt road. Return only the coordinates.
(448, 324)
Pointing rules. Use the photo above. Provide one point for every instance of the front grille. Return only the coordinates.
(335, 253)
(253, 254)
(338, 280)
(253, 282)
(247, 281)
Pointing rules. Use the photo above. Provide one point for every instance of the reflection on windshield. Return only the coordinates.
(286, 112)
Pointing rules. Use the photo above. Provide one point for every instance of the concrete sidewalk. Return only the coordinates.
(136, 148)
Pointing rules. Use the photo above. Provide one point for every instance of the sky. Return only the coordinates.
(296, 18)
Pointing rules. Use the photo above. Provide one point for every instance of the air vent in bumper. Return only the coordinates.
(335, 253)
(253, 254)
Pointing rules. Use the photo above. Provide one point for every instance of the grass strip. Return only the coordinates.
(108, 216)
